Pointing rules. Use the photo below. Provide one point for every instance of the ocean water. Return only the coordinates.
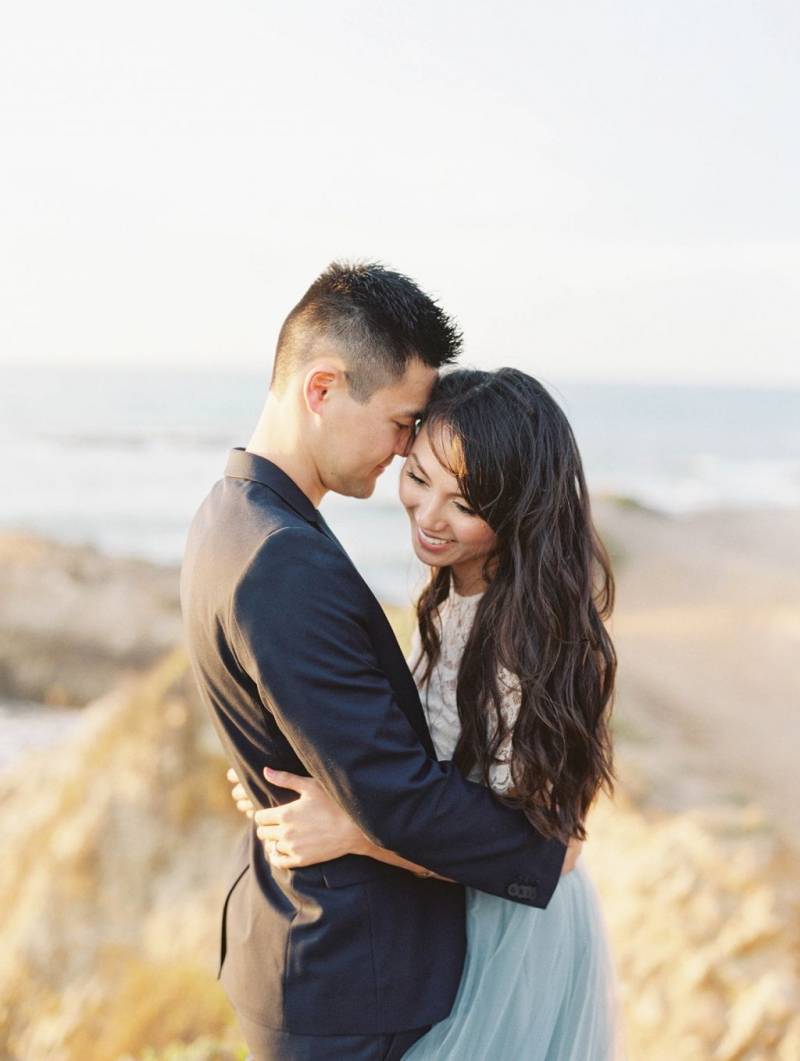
(122, 458)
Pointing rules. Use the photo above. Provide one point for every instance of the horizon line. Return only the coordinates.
(205, 368)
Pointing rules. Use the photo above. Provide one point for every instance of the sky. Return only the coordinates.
(603, 190)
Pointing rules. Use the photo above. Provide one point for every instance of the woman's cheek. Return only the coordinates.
(477, 534)
(406, 493)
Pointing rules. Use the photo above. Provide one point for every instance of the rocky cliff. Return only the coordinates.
(73, 620)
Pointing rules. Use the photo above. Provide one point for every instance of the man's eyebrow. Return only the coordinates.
(410, 416)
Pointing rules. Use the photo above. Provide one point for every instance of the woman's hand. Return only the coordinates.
(240, 797)
(311, 829)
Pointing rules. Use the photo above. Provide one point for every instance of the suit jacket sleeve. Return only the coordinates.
(299, 629)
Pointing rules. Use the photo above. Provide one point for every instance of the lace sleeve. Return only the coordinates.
(500, 770)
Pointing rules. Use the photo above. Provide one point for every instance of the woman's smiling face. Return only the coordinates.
(445, 532)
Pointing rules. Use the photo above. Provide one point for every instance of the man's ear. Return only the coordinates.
(318, 384)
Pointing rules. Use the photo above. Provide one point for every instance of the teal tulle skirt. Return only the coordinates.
(537, 984)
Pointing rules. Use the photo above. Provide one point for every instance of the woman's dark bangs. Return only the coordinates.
(444, 435)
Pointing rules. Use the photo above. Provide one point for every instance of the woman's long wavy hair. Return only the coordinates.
(549, 589)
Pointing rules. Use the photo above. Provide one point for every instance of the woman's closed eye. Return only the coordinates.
(459, 505)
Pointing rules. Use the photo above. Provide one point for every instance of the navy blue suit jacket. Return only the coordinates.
(299, 668)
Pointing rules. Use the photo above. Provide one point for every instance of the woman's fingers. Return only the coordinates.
(284, 779)
(283, 861)
(241, 799)
(269, 832)
(274, 815)
(277, 848)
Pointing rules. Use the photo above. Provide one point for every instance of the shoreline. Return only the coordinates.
(27, 726)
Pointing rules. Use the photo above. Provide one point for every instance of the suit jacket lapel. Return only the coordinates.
(410, 703)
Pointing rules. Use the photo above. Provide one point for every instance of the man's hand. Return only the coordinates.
(311, 829)
(573, 854)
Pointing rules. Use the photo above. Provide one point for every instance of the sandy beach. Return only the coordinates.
(707, 627)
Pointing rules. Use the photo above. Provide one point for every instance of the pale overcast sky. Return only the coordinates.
(602, 190)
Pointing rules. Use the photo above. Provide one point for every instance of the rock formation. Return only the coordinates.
(73, 620)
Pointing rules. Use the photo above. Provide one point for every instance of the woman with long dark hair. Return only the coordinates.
(516, 673)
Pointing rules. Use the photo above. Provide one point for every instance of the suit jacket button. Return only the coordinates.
(513, 890)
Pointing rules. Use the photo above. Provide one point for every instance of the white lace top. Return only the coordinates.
(438, 697)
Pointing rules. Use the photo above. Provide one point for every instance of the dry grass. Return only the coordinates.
(111, 889)
(111, 893)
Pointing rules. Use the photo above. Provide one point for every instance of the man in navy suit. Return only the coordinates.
(352, 958)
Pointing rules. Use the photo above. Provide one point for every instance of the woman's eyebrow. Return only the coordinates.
(419, 464)
(454, 493)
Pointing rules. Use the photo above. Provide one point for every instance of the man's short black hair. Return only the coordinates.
(379, 320)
